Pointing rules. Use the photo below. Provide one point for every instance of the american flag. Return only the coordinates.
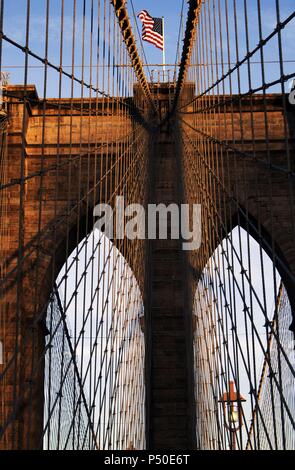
(152, 29)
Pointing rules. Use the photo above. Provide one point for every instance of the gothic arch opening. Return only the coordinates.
(243, 349)
(94, 362)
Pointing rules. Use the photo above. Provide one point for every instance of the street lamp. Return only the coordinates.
(232, 412)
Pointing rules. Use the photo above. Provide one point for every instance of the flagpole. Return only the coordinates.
(164, 52)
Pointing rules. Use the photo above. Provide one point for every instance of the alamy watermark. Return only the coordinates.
(292, 92)
(134, 222)
(1, 353)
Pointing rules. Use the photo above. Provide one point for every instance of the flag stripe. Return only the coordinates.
(155, 35)
(152, 38)
(152, 29)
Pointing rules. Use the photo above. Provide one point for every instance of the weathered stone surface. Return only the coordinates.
(41, 144)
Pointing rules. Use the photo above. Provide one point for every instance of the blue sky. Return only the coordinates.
(14, 27)
(15, 22)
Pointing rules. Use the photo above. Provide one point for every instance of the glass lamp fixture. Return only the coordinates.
(232, 411)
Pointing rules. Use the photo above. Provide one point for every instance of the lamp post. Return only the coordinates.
(232, 412)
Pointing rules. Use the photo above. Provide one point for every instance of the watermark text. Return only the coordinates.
(158, 222)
